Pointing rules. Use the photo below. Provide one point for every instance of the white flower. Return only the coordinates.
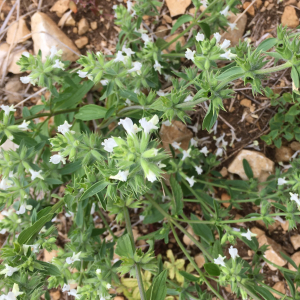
(228, 55)
(176, 145)
(57, 158)
(282, 181)
(199, 170)
(189, 54)
(3, 231)
(25, 79)
(204, 150)
(190, 180)
(129, 5)
(108, 286)
(98, 271)
(200, 37)
(160, 165)
(64, 128)
(188, 98)
(7, 109)
(219, 152)
(225, 11)
(129, 126)
(82, 74)
(122, 176)
(157, 66)
(73, 292)
(120, 57)
(24, 125)
(35, 174)
(194, 142)
(225, 44)
(233, 252)
(66, 288)
(151, 176)
(128, 51)
(220, 260)
(194, 128)
(5, 183)
(204, 3)
(9, 271)
(74, 258)
(167, 123)
(26, 54)
(53, 52)
(149, 125)
(217, 36)
(232, 26)
(58, 64)
(109, 144)
(186, 154)
(248, 235)
(104, 82)
(295, 197)
(21, 210)
(136, 68)
(13, 294)
(161, 93)
(128, 102)
(145, 38)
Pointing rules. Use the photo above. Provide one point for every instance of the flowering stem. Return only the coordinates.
(137, 267)
(194, 263)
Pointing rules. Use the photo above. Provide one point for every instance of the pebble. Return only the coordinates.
(257, 231)
(94, 25)
(66, 20)
(200, 260)
(172, 47)
(283, 154)
(258, 3)
(295, 146)
(224, 172)
(81, 42)
(187, 240)
(167, 18)
(49, 255)
(83, 26)
(60, 7)
(14, 85)
(22, 34)
(258, 161)
(295, 240)
(280, 287)
(270, 6)
(225, 197)
(273, 252)
(251, 10)
(246, 102)
(177, 7)
(41, 22)
(296, 258)
(161, 31)
(289, 17)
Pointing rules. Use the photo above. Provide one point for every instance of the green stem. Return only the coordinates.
(278, 267)
(248, 292)
(275, 291)
(194, 264)
(81, 274)
(274, 69)
(137, 266)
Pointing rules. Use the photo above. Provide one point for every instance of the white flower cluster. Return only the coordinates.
(220, 260)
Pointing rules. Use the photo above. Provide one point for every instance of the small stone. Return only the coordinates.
(273, 252)
(225, 197)
(251, 10)
(94, 25)
(66, 20)
(296, 258)
(200, 260)
(167, 18)
(270, 6)
(8, 145)
(48, 256)
(81, 42)
(83, 26)
(280, 287)
(136, 234)
(285, 225)
(257, 231)
(187, 240)
(283, 154)
(295, 146)
(55, 295)
(177, 132)
(235, 35)
(224, 172)
(75, 30)
(60, 7)
(119, 298)
(295, 240)
(258, 3)
(42, 41)
(22, 34)
(246, 102)
(14, 85)
(290, 2)
(172, 47)
(162, 31)
(258, 163)
(266, 3)
(177, 7)
(263, 9)
(298, 5)
(289, 17)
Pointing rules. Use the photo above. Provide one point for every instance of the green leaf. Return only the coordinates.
(177, 195)
(247, 169)
(264, 292)
(202, 230)
(53, 181)
(181, 20)
(212, 269)
(49, 269)
(230, 72)
(289, 260)
(124, 246)
(70, 168)
(158, 289)
(267, 44)
(295, 77)
(290, 284)
(91, 112)
(94, 189)
(206, 29)
(189, 276)
(79, 215)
